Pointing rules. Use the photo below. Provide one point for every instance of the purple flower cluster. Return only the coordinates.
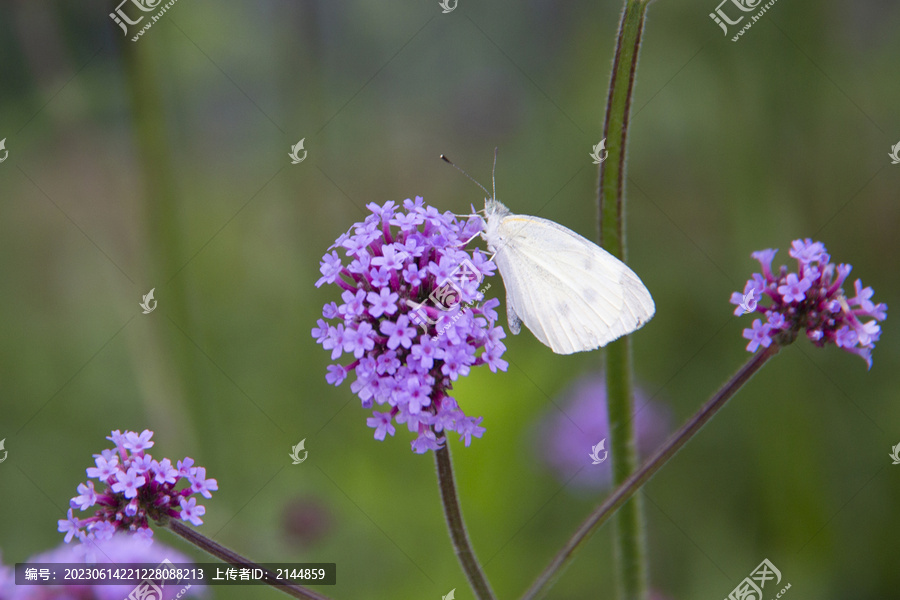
(136, 489)
(412, 319)
(811, 299)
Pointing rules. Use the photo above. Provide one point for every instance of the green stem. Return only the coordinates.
(232, 558)
(457, 526)
(630, 541)
(615, 129)
(629, 529)
(636, 480)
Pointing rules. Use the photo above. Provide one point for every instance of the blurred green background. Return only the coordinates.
(163, 164)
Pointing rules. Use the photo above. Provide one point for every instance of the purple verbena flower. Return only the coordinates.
(128, 482)
(578, 420)
(104, 469)
(119, 550)
(399, 332)
(86, 496)
(200, 484)
(71, 526)
(331, 268)
(383, 302)
(381, 422)
(190, 511)
(7, 580)
(138, 443)
(412, 318)
(811, 300)
(164, 472)
(758, 335)
(794, 290)
(135, 490)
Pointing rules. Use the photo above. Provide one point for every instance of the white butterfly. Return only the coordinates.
(572, 294)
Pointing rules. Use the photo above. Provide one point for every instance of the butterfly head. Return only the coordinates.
(494, 208)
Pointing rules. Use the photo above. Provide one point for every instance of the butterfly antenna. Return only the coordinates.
(493, 173)
(450, 162)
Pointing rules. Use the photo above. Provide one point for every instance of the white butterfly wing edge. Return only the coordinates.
(573, 295)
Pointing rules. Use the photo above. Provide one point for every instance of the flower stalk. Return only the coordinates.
(232, 558)
(623, 493)
(630, 541)
(462, 545)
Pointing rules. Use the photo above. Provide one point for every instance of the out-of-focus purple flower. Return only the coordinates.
(413, 319)
(7, 580)
(811, 300)
(119, 550)
(306, 520)
(135, 490)
(569, 434)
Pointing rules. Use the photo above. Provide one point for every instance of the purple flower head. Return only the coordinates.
(413, 319)
(117, 551)
(133, 490)
(568, 436)
(812, 299)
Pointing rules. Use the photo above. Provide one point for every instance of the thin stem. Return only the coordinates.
(610, 193)
(637, 479)
(630, 539)
(229, 556)
(629, 536)
(457, 526)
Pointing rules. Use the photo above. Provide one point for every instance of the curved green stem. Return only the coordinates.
(630, 541)
(457, 526)
(636, 480)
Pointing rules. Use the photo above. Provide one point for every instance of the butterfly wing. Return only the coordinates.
(572, 294)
